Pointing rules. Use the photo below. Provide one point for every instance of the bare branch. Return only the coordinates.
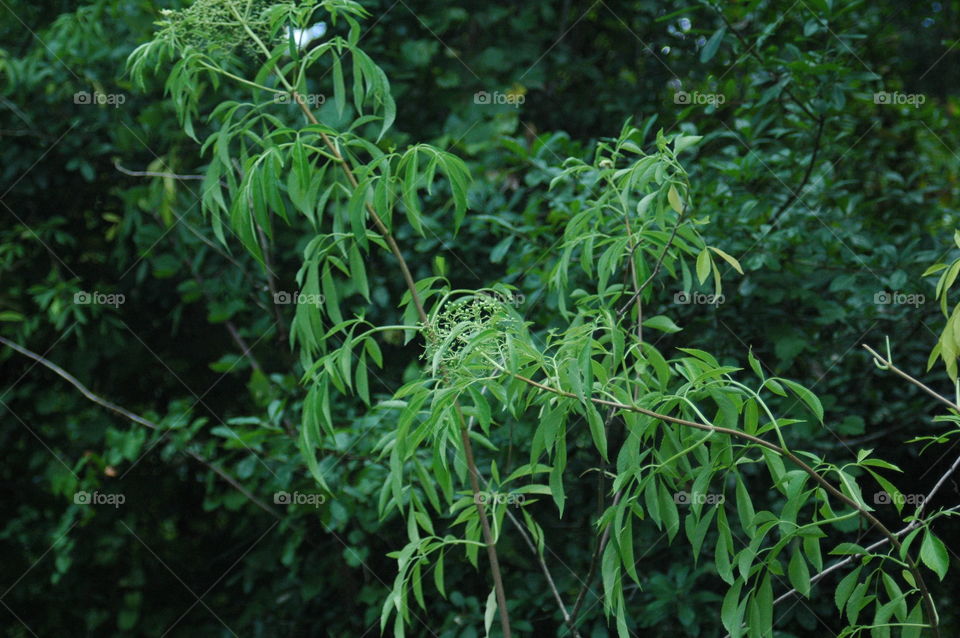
(546, 572)
(72, 380)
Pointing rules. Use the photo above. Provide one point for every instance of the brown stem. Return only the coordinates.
(418, 303)
(422, 314)
(485, 525)
(377, 221)
(271, 284)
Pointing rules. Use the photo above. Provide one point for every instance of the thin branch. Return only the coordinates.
(795, 195)
(656, 267)
(272, 285)
(887, 365)
(72, 380)
(421, 313)
(849, 559)
(484, 524)
(750, 51)
(594, 562)
(567, 618)
(127, 171)
(926, 598)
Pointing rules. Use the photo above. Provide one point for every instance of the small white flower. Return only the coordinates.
(303, 37)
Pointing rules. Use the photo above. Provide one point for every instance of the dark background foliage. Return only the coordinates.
(826, 197)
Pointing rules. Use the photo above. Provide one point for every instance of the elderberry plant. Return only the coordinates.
(657, 424)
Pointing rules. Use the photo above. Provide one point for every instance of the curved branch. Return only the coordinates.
(72, 380)
(888, 365)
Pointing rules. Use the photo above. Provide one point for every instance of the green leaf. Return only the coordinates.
(731, 612)
(662, 323)
(556, 488)
(339, 89)
(729, 259)
(674, 198)
(934, 554)
(808, 397)
(704, 264)
(489, 612)
(358, 272)
(683, 142)
(745, 507)
(845, 588)
(775, 387)
(597, 430)
(799, 573)
(710, 48)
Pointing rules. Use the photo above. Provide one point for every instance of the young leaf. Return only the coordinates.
(704, 264)
(799, 573)
(662, 323)
(730, 259)
(710, 48)
(934, 554)
(808, 397)
(674, 198)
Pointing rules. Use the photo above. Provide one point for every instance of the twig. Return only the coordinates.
(567, 618)
(795, 195)
(421, 313)
(849, 559)
(750, 51)
(271, 284)
(127, 171)
(72, 380)
(887, 365)
(926, 598)
(594, 561)
(656, 267)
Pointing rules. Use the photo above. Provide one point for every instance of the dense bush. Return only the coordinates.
(536, 165)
